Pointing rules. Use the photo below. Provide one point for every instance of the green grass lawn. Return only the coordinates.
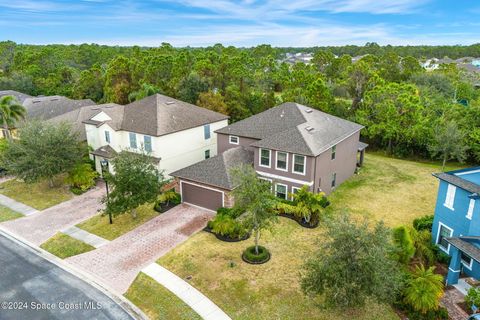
(394, 190)
(158, 302)
(100, 225)
(37, 195)
(8, 214)
(64, 246)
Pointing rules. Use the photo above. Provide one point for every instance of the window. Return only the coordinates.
(471, 206)
(207, 154)
(466, 261)
(281, 191)
(147, 141)
(133, 140)
(334, 150)
(206, 131)
(282, 161)
(295, 189)
(334, 180)
(450, 197)
(234, 140)
(267, 180)
(265, 158)
(299, 164)
(443, 232)
(107, 136)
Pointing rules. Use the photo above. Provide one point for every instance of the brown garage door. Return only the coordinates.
(202, 197)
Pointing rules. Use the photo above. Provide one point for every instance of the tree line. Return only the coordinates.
(404, 108)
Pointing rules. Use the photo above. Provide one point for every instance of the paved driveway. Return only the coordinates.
(118, 262)
(32, 283)
(40, 226)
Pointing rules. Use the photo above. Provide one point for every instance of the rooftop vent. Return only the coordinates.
(170, 102)
(54, 99)
(96, 108)
(309, 129)
(308, 110)
(109, 106)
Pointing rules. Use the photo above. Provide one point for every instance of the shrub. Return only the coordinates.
(166, 199)
(250, 255)
(424, 290)
(473, 297)
(405, 248)
(227, 226)
(439, 314)
(423, 223)
(441, 256)
(82, 177)
(76, 191)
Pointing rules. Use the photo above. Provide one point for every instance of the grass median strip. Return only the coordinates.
(64, 246)
(8, 214)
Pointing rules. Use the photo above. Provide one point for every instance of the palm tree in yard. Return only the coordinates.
(10, 112)
(424, 289)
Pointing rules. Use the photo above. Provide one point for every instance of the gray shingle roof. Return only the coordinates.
(159, 115)
(294, 128)
(216, 170)
(18, 95)
(44, 108)
(467, 246)
(451, 178)
(106, 152)
(82, 115)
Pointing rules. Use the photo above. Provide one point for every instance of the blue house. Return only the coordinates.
(456, 225)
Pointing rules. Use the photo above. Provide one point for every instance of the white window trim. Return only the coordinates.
(471, 207)
(293, 191)
(277, 177)
(209, 131)
(286, 189)
(453, 191)
(276, 161)
(269, 158)
(269, 180)
(438, 237)
(468, 266)
(230, 139)
(304, 164)
(130, 140)
(151, 143)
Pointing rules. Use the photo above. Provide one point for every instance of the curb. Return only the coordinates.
(119, 299)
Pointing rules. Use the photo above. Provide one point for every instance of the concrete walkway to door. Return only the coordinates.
(118, 262)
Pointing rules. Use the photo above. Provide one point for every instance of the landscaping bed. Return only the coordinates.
(301, 222)
(64, 246)
(250, 256)
(8, 214)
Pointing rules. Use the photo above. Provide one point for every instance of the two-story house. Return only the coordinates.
(456, 224)
(174, 133)
(290, 145)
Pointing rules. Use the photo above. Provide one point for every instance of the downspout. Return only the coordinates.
(315, 177)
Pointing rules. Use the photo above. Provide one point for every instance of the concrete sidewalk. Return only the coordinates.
(87, 237)
(17, 206)
(188, 294)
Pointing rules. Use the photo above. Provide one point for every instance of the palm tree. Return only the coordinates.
(10, 111)
(424, 289)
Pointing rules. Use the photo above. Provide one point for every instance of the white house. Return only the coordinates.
(174, 133)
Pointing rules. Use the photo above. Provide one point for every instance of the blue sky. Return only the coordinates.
(241, 23)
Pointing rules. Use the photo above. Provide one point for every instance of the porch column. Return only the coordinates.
(362, 154)
(454, 267)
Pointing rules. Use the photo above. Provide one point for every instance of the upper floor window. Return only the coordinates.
(450, 196)
(207, 154)
(334, 150)
(265, 158)
(233, 139)
(299, 162)
(282, 161)
(471, 206)
(206, 131)
(107, 136)
(147, 141)
(133, 140)
(334, 180)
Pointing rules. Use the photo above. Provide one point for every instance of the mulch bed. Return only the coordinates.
(164, 207)
(257, 262)
(225, 238)
(299, 221)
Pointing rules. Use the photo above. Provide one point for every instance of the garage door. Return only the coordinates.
(201, 196)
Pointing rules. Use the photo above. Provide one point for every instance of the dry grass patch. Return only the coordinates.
(37, 195)
(122, 224)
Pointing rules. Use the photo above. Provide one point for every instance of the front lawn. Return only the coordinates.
(158, 302)
(37, 195)
(8, 214)
(390, 189)
(64, 246)
(122, 224)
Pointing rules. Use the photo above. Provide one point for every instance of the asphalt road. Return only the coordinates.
(34, 288)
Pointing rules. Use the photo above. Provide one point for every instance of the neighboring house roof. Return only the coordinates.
(44, 108)
(21, 97)
(468, 245)
(294, 128)
(160, 115)
(458, 181)
(82, 115)
(215, 171)
(106, 152)
(362, 145)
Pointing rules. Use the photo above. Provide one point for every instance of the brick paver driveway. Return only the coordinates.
(38, 227)
(117, 263)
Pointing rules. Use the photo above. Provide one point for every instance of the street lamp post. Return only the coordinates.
(104, 165)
